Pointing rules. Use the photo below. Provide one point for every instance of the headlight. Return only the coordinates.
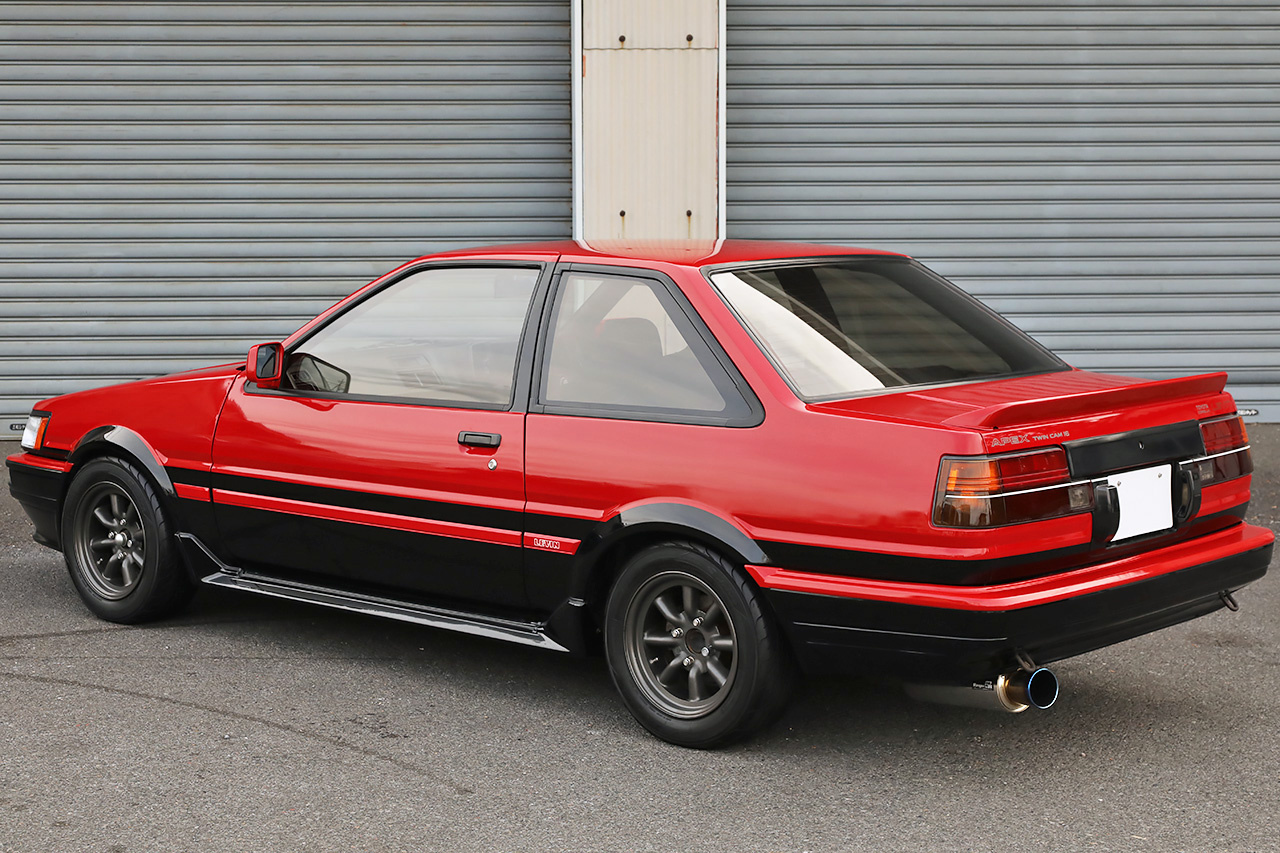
(33, 435)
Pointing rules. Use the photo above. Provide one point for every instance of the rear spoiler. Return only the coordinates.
(1067, 405)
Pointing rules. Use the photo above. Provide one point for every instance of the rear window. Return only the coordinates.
(847, 327)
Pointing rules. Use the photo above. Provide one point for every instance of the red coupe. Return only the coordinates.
(721, 465)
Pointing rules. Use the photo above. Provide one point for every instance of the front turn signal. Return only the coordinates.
(33, 434)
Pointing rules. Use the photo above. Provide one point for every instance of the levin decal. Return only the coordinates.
(554, 544)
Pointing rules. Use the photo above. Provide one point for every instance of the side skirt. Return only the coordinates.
(524, 633)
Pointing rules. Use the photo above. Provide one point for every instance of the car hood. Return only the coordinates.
(198, 375)
(1026, 400)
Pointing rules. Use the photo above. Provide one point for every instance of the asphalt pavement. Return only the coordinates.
(256, 725)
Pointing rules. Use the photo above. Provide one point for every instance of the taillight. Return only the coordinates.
(986, 491)
(1226, 450)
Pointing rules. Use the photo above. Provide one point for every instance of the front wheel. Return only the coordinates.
(694, 655)
(118, 545)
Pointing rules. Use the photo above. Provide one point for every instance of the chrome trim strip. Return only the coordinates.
(1216, 455)
(1097, 479)
(1028, 491)
(528, 634)
(524, 633)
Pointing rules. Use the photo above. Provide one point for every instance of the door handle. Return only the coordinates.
(479, 439)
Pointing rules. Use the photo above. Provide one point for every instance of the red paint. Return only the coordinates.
(854, 475)
(175, 415)
(367, 517)
(1029, 593)
(381, 448)
(41, 462)
(376, 448)
(191, 493)
(1124, 395)
(1217, 497)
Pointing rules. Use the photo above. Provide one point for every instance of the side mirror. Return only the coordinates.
(265, 364)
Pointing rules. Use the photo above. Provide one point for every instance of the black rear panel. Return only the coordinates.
(1106, 454)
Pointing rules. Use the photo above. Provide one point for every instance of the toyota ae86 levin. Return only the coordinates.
(721, 466)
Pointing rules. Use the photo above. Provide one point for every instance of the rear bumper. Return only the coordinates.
(939, 633)
(38, 484)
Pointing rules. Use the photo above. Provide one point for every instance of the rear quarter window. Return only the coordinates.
(843, 328)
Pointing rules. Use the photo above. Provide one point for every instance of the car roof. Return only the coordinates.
(692, 253)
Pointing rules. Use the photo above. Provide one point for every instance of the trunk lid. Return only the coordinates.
(1045, 398)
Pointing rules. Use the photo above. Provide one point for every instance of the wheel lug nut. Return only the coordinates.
(688, 662)
(705, 651)
(677, 633)
(697, 620)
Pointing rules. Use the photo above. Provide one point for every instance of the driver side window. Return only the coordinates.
(447, 335)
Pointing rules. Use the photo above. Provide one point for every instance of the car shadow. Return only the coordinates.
(837, 717)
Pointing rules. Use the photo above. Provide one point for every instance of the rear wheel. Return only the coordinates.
(696, 658)
(118, 544)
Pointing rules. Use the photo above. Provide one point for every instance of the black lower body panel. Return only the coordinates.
(39, 491)
(920, 643)
(566, 629)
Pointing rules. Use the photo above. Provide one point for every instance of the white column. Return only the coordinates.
(648, 120)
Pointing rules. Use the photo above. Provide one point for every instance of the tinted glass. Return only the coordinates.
(615, 344)
(449, 335)
(846, 328)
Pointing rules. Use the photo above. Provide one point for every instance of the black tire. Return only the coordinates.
(119, 545)
(695, 656)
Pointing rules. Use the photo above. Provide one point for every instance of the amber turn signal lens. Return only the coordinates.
(972, 477)
(33, 434)
(989, 491)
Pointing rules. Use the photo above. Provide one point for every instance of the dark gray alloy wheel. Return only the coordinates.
(693, 651)
(119, 545)
(680, 644)
(109, 541)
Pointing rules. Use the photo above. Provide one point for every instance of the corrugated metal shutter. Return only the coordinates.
(180, 180)
(1106, 175)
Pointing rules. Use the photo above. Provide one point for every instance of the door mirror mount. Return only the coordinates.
(265, 365)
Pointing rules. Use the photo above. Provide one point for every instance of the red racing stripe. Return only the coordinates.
(42, 462)
(1028, 593)
(451, 529)
(190, 492)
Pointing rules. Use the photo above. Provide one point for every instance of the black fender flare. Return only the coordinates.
(132, 444)
(669, 520)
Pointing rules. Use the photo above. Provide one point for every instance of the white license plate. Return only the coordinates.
(1146, 501)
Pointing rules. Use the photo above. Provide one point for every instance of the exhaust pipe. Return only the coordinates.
(1014, 692)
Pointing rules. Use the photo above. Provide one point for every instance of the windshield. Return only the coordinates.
(846, 327)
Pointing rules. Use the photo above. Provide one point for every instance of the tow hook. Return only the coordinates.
(1229, 600)
(1106, 514)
